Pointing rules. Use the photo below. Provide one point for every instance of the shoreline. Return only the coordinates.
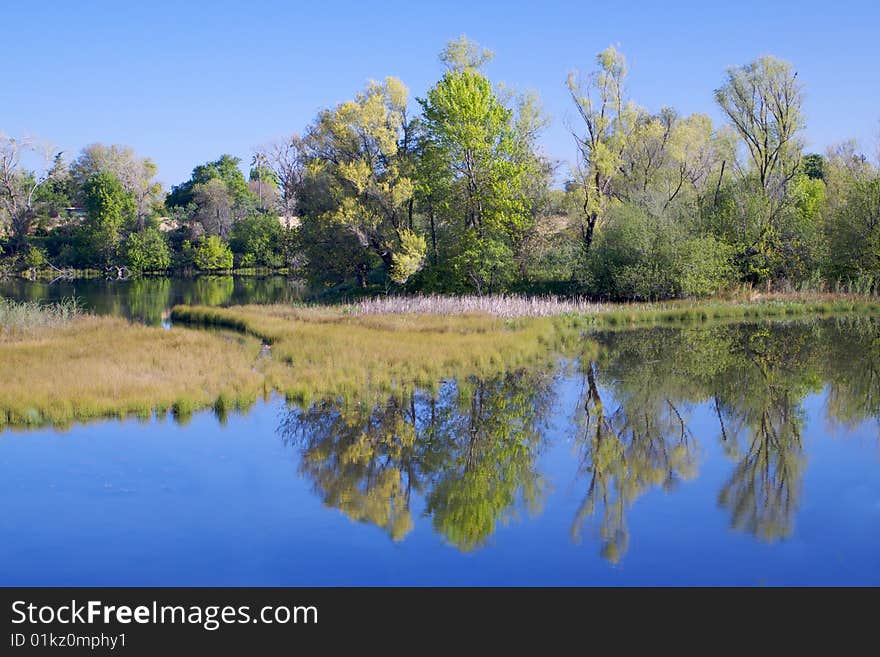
(307, 353)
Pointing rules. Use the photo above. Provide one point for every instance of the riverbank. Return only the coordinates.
(84, 367)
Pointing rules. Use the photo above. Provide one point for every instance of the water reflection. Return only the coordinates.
(470, 451)
(644, 442)
(150, 298)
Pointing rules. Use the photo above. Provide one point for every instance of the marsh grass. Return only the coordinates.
(62, 366)
(327, 352)
(21, 318)
(745, 304)
(770, 307)
(94, 367)
(504, 305)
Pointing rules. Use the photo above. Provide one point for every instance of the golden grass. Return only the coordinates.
(91, 367)
(318, 352)
(97, 367)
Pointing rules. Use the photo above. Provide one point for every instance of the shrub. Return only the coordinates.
(35, 258)
(212, 253)
(148, 251)
(257, 241)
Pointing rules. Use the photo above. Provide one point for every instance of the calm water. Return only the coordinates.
(149, 299)
(739, 454)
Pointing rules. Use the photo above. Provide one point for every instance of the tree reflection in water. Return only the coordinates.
(470, 449)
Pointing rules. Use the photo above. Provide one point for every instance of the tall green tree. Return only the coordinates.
(110, 211)
(608, 124)
(475, 186)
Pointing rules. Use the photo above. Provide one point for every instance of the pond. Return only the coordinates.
(734, 454)
(149, 299)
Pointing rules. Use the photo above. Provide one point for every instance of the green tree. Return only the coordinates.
(852, 216)
(608, 118)
(225, 168)
(479, 165)
(136, 174)
(257, 241)
(212, 253)
(110, 210)
(763, 101)
(147, 251)
(361, 148)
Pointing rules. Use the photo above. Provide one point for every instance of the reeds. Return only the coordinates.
(504, 305)
(19, 318)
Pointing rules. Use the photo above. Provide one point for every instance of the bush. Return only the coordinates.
(212, 253)
(35, 258)
(148, 251)
(257, 241)
(639, 257)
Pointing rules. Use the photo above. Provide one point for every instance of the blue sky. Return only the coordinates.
(183, 82)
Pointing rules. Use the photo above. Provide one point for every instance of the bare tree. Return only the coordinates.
(214, 207)
(763, 102)
(258, 163)
(285, 159)
(18, 184)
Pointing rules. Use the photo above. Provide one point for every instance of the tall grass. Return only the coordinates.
(318, 352)
(745, 303)
(93, 367)
(21, 317)
(506, 306)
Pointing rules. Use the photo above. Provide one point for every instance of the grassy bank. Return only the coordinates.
(328, 351)
(689, 312)
(90, 367)
(58, 365)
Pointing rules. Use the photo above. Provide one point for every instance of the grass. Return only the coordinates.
(777, 307)
(93, 367)
(21, 318)
(58, 365)
(324, 351)
(585, 313)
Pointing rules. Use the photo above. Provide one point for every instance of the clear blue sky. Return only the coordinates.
(183, 82)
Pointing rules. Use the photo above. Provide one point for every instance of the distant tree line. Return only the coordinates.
(453, 194)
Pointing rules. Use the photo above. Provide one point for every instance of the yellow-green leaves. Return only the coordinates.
(409, 257)
(361, 144)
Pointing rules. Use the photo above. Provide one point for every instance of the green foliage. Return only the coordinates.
(212, 253)
(480, 165)
(814, 166)
(638, 257)
(458, 198)
(359, 153)
(147, 251)
(409, 258)
(257, 241)
(109, 211)
(225, 169)
(35, 258)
